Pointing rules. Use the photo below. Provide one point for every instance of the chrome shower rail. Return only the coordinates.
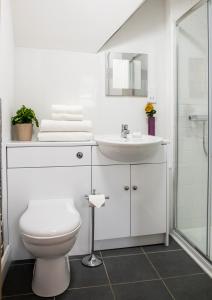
(204, 119)
(198, 118)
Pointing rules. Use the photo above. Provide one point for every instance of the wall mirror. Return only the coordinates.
(126, 74)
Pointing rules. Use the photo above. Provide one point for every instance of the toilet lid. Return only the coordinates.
(48, 218)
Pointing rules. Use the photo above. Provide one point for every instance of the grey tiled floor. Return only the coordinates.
(139, 273)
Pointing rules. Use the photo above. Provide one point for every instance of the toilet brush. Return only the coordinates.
(92, 260)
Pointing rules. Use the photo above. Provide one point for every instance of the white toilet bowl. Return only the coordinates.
(49, 230)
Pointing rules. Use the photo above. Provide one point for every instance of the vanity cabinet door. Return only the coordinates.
(113, 219)
(148, 199)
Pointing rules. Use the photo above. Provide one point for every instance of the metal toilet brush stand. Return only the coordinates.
(92, 260)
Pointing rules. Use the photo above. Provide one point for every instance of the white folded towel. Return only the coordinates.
(65, 136)
(54, 125)
(67, 117)
(69, 109)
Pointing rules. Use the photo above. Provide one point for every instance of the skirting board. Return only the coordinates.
(5, 263)
(130, 242)
(193, 253)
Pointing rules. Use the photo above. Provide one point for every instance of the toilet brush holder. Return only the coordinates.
(92, 260)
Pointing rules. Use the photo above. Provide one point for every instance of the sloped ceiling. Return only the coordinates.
(76, 25)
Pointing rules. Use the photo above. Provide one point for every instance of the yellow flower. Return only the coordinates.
(149, 107)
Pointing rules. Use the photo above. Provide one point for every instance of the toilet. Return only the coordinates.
(49, 230)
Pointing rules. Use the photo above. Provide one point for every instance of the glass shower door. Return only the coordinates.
(192, 127)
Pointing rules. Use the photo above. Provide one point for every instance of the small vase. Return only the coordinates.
(23, 132)
(151, 125)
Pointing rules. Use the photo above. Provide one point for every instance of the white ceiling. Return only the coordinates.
(76, 25)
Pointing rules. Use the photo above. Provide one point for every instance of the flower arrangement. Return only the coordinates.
(150, 110)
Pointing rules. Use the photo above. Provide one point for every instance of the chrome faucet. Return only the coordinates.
(124, 131)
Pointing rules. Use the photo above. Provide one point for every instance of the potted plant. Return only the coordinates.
(150, 111)
(23, 122)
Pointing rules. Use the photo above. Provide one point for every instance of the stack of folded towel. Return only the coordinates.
(67, 124)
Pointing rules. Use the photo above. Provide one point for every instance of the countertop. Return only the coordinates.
(15, 144)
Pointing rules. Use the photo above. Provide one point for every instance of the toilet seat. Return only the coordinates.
(47, 219)
(48, 241)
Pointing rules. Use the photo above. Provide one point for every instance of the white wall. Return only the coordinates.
(6, 91)
(179, 7)
(43, 77)
(61, 24)
(6, 66)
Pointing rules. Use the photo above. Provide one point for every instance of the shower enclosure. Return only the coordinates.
(1, 215)
(193, 132)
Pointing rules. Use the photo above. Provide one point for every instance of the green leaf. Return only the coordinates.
(25, 115)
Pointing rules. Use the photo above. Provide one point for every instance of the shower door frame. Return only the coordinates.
(209, 130)
(208, 254)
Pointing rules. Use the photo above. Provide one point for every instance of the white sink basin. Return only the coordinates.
(128, 150)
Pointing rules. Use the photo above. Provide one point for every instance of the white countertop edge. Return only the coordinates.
(165, 142)
(20, 144)
(16, 144)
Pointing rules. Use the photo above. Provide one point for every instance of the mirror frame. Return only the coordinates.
(110, 91)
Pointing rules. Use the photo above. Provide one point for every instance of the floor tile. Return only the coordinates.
(18, 280)
(129, 268)
(27, 297)
(23, 261)
(191, 287)
(148, 290)
(80, 257)
(97, 293)
(161, 247)
(82, 276)
(121, 251)
(174, 263)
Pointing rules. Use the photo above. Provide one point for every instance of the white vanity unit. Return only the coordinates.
(135, 214)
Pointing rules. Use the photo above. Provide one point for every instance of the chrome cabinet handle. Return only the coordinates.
(134, 187)
(79, 155)
(126, 188)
